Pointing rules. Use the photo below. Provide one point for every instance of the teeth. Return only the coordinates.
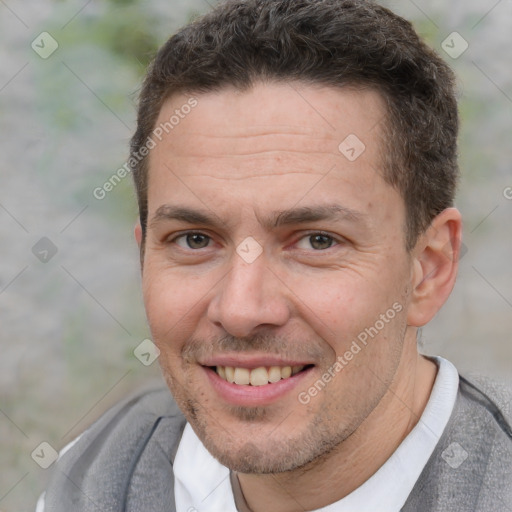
(257, 376)
(296, 369)
(274, 374)
(286, 372)
(230, 374)
(242, 376)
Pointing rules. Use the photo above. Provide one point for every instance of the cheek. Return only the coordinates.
(172, 307)
(349, 306)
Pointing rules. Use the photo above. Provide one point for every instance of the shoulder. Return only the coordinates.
(480, 438)
(138, 435)
(131, 416)
(488, 400)
(471, 467)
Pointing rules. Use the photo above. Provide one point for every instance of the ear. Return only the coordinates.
(435, 265)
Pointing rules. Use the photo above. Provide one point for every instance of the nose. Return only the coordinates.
(248, 297)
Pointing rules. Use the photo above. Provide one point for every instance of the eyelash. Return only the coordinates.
(334, 240)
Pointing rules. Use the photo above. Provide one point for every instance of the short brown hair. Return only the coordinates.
(327, 42)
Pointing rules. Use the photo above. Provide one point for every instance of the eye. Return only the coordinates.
(319, 241)
(193, 241)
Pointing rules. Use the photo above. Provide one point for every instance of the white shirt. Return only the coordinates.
(202, 483)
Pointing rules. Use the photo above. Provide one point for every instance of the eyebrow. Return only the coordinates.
(278, 218)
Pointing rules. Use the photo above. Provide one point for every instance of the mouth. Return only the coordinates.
(260, 376)
(255, 383)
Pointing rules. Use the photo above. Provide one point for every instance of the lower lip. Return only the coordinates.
(254, 395)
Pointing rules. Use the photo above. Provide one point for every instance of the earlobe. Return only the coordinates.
(435, 266)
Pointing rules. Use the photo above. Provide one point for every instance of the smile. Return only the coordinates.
(254, 379)
(260, 376)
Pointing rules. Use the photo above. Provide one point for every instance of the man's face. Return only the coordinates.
(268, 246)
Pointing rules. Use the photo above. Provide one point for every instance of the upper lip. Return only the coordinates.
(252, 361)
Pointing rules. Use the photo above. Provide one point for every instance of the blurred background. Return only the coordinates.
(70, 301)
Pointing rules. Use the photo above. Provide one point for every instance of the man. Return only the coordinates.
(295, 165)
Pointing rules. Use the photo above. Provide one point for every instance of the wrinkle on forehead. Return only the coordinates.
(253, 153)
(269, 130)
(258, 131)
(272, 142)
(274, 134)
(278, 108)
(257, 174)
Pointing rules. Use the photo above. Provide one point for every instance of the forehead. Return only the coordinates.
(273, 143)
(272, 116)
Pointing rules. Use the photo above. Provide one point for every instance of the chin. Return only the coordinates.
(266, 450)
(251, 458)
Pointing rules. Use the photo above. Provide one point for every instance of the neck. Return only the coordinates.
(357, 458)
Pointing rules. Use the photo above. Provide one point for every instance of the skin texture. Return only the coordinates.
(242, 157)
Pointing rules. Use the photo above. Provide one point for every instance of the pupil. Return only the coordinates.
(323, 241)
(197, 241)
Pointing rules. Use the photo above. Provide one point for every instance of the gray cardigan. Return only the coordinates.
(123, 462)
